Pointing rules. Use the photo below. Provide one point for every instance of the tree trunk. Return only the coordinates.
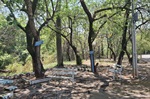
(91, 33)
(68, 52)
(58, 43)
(124, 41)
(32, 36)
(58, 39)
(102, 48)
(113, 54)
(78, 58)
(99, 55)
(35, 54)
(82, 48)
(129, 58)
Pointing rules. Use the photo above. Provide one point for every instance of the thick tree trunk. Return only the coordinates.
(35, 54)
(58, 39)
(58, 43)
(78, 60)
(38, 67)
(59, 50)
(32, 36)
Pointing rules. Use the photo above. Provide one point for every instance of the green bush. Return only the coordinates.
(5, 60)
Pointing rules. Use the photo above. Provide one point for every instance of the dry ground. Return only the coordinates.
(92, 86)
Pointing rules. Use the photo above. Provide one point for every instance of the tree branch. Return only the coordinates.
(11, 11)
(100, 17)
(64, 36)
(34, 5)
(104, 24)
(48, 19)
(86, 10)
(111, 8)
(143, 23)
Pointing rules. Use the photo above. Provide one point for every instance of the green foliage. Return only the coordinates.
(12, 44)
(143, 44)
(13, 51)
(5, 60)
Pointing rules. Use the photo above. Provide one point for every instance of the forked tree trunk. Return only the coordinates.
(124, 40)
(32, 36)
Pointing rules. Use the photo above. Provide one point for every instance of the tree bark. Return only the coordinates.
(35, 54)
(68, 52)
(113, 54)
(102, 48)
(124, 40)
(91, 32)
(58, 39)
(59, 43)
(32, 36)
(78, 58)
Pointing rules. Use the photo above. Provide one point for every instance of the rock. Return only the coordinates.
(11, 88)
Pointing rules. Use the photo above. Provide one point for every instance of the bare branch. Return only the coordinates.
(143, 23)
(100, 17)
(64, 36)
(104, 24)
(12, 14)
(48, 19)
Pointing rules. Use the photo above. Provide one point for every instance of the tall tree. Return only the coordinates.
(58, 37)
(31, 28)
(70, 18)
(97, 15)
